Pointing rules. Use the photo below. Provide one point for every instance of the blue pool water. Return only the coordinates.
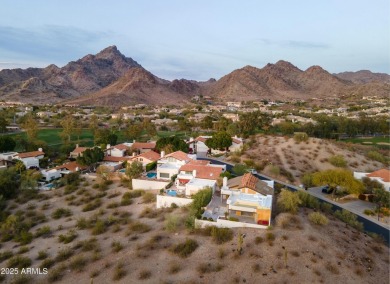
(171, 192)
(151, 175)
(122, 170)
(50, 185)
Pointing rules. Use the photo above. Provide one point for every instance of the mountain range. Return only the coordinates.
(110, 78)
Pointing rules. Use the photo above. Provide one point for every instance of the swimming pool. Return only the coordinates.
(171, 192)
(151, 175)
(122, 170)
(50, 185)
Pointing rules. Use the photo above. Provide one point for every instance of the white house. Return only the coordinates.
(248, 197)
(31, 159)
(196, 175)
(169, 165)
(118, 150)
(146, 158)
(52, 174)
(382, 176)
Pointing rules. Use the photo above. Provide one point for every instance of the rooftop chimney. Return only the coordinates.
(224, 182)
(194, 173)
(108, 146)
(162, 154)
(77, 145)
(40, 150)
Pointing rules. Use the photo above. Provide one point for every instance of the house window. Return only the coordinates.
(164, 175)
(141, 160)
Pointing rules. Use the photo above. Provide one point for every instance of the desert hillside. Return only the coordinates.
(113, 236)
(275, 153)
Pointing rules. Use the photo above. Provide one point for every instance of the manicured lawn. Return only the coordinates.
(374, 141)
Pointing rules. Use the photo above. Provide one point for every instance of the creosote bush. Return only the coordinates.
(185, 248)
(318, 218)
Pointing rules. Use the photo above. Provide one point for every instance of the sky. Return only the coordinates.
(199, 39)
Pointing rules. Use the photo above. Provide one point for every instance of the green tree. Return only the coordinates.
(207, 122)
(30, 125)
(7, 144)
(91, 157)
(3, 124)
(94, 124)
(105, 136)
(68, 127)
(339, 178)
(176, 143)
(220, 140)
(19, 166)
(288, 201)
(29, 180)
(223, 124)
(149, 127)
(239, 169)
(133, 131)
(382, 197)
(9, 182)
(252, 121)
(134, 170)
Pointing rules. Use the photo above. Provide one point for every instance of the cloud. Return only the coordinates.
(294, 43)
(48, 43)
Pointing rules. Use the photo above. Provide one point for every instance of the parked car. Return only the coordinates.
(326, 189)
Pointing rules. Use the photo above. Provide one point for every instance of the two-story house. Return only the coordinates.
(196, 175)
(169, 165)
(248, 197)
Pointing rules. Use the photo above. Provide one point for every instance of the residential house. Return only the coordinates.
(142, 147)
(30, 159)
(70, 167)
(146, 158)
(118, 150)
(52, 174)
(169, 165)
(196, 175)
(382, 176)
(233, 116)
(77, 152)
(248, 198)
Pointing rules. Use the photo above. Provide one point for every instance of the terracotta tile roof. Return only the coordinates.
(201, 139)
(30, 154)
(71, 166)
(150, 155)
(384, 174)
(116, 159)
(203, 171)
(121, 147)
(250, 181)
(199, 162)
(179, 155)
(79, 150)
(140, 145)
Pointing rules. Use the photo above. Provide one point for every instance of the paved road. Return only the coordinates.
(357, 206)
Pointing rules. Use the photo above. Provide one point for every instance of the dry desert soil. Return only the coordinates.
(133, 244)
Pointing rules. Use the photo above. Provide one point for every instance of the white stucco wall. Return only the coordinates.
(164, 201)
(226, 224)
(148, 184)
